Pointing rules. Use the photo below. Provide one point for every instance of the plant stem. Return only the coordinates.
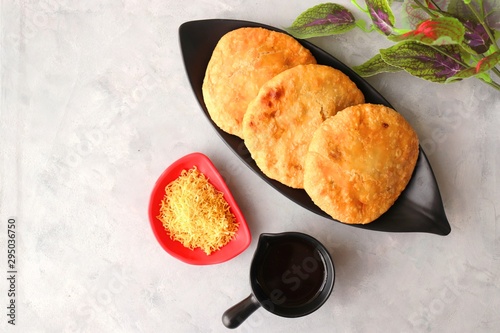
(400, 31)
(496, 71)
(361, 24)
(355, 3)
(436, 5)
(492, 84)
(425, 9)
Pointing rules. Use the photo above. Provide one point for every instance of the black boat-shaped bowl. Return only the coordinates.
(419, 208)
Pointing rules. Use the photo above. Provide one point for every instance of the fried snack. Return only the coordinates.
(196, 214)
(279, 123)
(242, 61)
(359, 162)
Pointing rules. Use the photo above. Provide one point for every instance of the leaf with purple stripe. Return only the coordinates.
(482, 66)
(432, 63)
(381, 14)
(489, 10)
(322, 20)
(476, 37)
(413, 14)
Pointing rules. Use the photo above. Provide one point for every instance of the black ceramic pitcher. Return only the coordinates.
(291, 275)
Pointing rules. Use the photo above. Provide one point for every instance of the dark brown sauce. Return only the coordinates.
(292, 273)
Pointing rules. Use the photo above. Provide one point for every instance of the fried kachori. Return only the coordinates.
(242, 61)
(359, 162)
(279, 123)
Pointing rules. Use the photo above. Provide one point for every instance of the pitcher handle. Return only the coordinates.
(235, 315)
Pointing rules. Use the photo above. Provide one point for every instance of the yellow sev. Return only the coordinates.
(196, 214)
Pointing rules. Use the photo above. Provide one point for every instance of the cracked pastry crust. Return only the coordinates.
(279, 123)
(242, 61)
(359, 162)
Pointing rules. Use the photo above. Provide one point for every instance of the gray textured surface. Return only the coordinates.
(95, 104)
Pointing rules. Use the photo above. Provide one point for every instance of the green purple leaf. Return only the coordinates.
(459, 9)
(482, 66)
(381, 14)
(375, 65)
(432, 63)
(490, 11)
(493, 14)
(476, 37)
(413, 14)
(322, 20)
(436, 31)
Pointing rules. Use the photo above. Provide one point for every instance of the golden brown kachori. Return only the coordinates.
(359, 162)
(279, 123)
(242, 61)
